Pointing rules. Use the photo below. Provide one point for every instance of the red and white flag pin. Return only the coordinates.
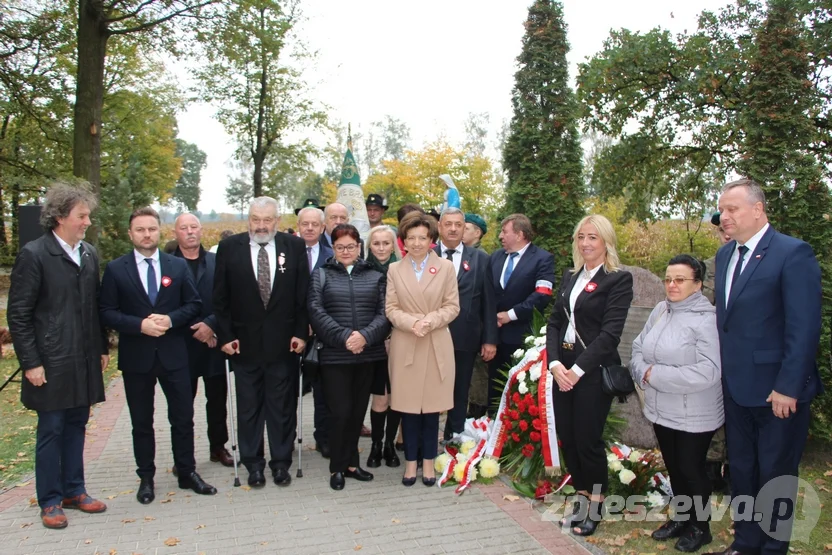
(465, 265)
(590, 287)
(166, 281)
(432, 270)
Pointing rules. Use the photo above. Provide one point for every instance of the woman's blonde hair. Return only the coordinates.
(397, 253)
(607, 233)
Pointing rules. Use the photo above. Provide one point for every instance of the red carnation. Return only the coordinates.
(521, 406)
(533, 410)
(534, 436)
(528, 398)
(516, 437)
(524, 425)
(516, 397)
(540, 493)
(537, 424)
(514, 414)
(528, 450)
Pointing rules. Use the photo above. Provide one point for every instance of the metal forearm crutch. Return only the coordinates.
(233, 418)
(300, 416)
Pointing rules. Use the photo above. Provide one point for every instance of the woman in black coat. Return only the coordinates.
(582, 336)
(347, 315)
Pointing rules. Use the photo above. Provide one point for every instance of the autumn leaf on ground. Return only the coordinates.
(171, 493)
(246, 487)
(661, 547)
(199, 526)
(395, 520)
(87, 542)
(170, 542)
(358, 548)
(149, 518)
(645, 532)
(264, 543)
(827, 547)
(112, 496)
(828, 473)
(25, 524)
(512, 498)
(356, 532)
(113, 551)
(126, 492)
(166, 500)
(128, 520)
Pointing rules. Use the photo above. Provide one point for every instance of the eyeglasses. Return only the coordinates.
(348, 248)
(679, 281)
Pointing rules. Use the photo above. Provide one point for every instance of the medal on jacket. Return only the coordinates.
(590, 287)
(166, 281)
(465, 265)
(281, 259)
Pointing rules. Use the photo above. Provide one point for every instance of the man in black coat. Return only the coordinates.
(61, 346)
(204, 356)
(149, 297)
(260, 290)
(475, 329)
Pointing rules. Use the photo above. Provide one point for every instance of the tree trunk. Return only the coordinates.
(89, 97)
(258, 155)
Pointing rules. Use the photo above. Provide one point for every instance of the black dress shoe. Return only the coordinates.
(256, 479)
(146, 494)
(174, 471)
(336, 481)
(670, 529)
(282, 477)
(389, 455)
(359, 474)
(194, 482)
(322, 448)
(429, 481)
(588, 525)
(407, 482)
(693, 539)
(374, 460)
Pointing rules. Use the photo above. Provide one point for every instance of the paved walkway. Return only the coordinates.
(308, 517)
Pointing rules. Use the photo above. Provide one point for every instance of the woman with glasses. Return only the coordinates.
(676, 362)
(346, 310)
(582, 336)
(422, 299)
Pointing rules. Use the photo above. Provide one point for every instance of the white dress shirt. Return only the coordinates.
(732, 262)
(511, 314)
(457, 256)
(316, 252)
(73, 252)
(142, 265)
(270, 251)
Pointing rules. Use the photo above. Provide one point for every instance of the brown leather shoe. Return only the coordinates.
(53, 517)
(84, 503)
(366, 432)
(222, 456)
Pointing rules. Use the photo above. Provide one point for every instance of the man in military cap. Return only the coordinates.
(475, 229)
(376, 207)
(310, 202)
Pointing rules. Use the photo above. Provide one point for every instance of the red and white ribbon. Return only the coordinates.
(470, 464)
(545, 402)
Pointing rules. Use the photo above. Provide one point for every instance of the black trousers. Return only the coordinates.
(580, 416)
(140, 390)
(501, 361)
(216, 408)
(455, 422)
(266, 398)
(347, 389)
(685, 455)
(420, 431)
(322, 414)
(762, 447)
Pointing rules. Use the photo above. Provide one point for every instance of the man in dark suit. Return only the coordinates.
(475, 329)
(149, 297)
(311, 225)
(260, 290)
(523, 276)
(768, 297)
(204, 356)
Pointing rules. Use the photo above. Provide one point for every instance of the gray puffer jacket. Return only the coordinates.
(681, 343)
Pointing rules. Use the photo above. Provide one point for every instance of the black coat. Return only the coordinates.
(349, 302)
(202, 360)
(53, 319)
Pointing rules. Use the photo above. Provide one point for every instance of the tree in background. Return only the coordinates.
(238, 194)
(542, 155)
(747, 92)
(194, 160)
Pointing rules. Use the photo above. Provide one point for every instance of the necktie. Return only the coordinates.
(738, 268)
(309, 258)
(509, 267)
(152, 286)
(449, 254)
(263, 275)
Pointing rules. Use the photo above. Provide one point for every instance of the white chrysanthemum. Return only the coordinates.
(533, 353)
(441, 462)
(635, 456)
(542, 330)
(466, 447)
(536, 370)
(521, 377)
(655, 499)
(615, 465)
(626, 476)
(530, 340)
(523, 388)
(489, 468)
(518, 353)
(612, 457)
(540, 341)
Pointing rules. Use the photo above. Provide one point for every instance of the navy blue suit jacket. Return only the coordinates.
(476, 324)
(770, 329)
(124, 304)
(324, 254)
(530, 287)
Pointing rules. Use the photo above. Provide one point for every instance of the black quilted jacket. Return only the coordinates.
(348, 302)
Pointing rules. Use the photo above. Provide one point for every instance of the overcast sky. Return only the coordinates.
(428, 63)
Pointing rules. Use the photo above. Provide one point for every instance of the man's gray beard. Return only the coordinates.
(262, 238)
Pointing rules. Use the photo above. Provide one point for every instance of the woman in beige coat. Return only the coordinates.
(422, 299)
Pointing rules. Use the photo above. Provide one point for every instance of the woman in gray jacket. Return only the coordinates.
(676, 362)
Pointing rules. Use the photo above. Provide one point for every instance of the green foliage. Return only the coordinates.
(238, 194)
(542, 155)
(115, 207)
(186, 191)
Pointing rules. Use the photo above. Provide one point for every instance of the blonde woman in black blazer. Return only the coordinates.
(590, 309)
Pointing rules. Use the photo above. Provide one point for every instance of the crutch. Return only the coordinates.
(233, 418)
(300, 416)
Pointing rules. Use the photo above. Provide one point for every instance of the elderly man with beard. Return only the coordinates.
(260, 290)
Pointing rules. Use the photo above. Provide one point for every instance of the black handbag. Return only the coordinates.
(615, 379)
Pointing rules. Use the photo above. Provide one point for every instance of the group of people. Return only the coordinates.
(403, 315)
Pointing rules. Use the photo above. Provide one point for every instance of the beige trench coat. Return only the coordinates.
(422, 368)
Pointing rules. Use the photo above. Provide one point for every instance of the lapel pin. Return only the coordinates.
(281, 259)
(465, 265)
(759, 256)
(432, 270)
(590, 287)
(166, 281)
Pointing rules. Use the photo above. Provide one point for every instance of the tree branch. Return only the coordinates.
(163, 19)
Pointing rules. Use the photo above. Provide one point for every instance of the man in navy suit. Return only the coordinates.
(768, 297)
(204, 356)
(311, 225)
(523, 277)
(149, 297)
(475, 329)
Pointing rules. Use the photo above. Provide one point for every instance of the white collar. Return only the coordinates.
(755, 239)
(457, 250)
(252, 243)
(521, 252)
(140, 257)
(66, 245)
(592, 272)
